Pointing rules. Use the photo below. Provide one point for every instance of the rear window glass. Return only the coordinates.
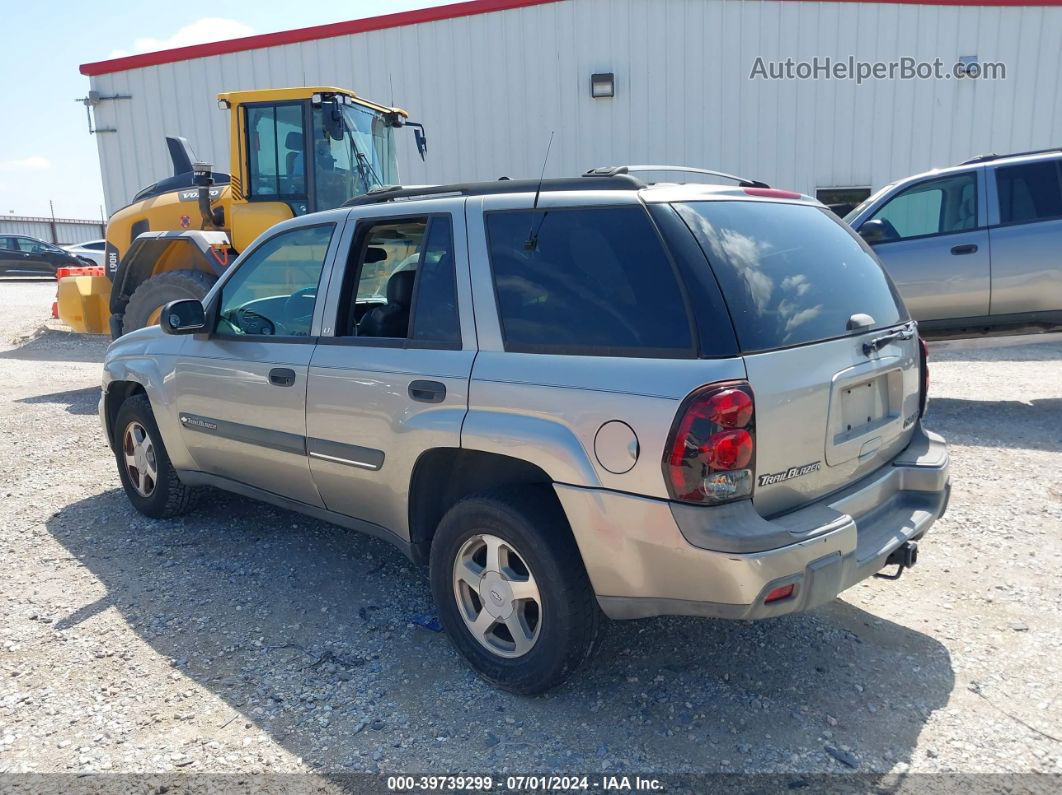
(791, 274)
(597, 281)
(1029, 192)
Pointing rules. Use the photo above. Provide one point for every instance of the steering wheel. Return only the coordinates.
(250, 322)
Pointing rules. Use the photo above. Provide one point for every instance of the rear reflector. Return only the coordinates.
(772, 193)
(780, 593)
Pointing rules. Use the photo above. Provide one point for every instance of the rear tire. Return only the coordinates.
(543, 592)
(158, 290)
(148, 477)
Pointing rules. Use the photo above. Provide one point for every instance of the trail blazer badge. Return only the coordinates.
(789, 474)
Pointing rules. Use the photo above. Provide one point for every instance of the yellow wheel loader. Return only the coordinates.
(293, 151)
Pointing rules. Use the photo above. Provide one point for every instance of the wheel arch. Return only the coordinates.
(153, 253)
(443, 476)
(116, 394)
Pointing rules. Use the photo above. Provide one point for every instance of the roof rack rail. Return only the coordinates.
(992, 156)
(613, 171)
(399, 193)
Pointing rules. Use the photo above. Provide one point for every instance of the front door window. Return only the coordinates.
(934, 207)
(274, 291)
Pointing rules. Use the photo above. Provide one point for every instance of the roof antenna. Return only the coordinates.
(532, 234)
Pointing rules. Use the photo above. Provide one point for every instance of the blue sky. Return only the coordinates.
(46, 151)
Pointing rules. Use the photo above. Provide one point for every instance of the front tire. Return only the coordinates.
(511, 589)
(148, 477)
(147, 300)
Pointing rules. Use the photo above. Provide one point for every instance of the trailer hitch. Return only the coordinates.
(904, 556)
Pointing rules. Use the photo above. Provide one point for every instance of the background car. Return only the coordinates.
(975, 248)
(28, 256)
(90, 250)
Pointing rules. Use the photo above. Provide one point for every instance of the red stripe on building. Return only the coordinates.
(401, 19)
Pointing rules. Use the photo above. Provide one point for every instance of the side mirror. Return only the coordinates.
(185, 316)
(874, 231)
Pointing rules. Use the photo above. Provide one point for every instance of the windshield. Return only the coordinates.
(791, 273)
(361, 160)
(855, 211)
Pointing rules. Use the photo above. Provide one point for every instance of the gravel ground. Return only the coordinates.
(243, 638)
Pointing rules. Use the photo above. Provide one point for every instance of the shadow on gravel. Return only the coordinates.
(1036, 425)
(77, 401)
(310, 632)
(52, 345)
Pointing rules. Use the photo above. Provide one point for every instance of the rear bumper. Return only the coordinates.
(649, 557)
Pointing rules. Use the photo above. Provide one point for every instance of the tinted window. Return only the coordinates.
(934, 207)
(597, 282)
(790, 273)
(274, 290)
(8, 243)
(435, 316)
(275, 143)
(1029, 192)
(401, 263)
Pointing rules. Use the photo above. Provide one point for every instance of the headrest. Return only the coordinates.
(374, 254)
(294, 141)
(400, 288)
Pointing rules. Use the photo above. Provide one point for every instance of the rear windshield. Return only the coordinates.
(791, 273)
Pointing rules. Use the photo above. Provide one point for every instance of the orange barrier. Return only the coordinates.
(82, 299)
(93, 270)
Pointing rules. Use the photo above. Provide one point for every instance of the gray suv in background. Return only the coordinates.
(974, 249)
(573, 399)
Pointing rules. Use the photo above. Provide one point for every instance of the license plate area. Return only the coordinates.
(864, 413)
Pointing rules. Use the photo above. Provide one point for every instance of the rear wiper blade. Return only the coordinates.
(878, 343)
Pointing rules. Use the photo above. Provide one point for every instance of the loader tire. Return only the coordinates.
(148, 298)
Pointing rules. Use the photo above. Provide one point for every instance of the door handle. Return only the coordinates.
(967, 248)
(281, 376)
(427, 391)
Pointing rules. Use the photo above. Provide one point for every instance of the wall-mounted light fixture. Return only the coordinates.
(602, 85)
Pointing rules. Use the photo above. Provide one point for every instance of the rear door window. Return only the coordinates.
(1029, 192)
(791, 274)
(590, 281)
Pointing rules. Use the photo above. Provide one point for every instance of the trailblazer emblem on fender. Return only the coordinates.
(789, 474)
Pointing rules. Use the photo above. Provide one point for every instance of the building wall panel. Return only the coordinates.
(491, 87)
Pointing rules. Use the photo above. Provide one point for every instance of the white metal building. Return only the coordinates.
(491, 78)
(61, 231)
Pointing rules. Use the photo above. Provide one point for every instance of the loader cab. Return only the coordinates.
(297, 151)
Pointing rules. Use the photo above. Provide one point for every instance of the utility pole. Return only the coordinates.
(55, 234)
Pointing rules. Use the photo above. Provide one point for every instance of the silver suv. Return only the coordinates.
(603, 398)
(976, 248)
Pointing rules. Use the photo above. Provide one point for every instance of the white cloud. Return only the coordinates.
(31, 163)
(199, 32)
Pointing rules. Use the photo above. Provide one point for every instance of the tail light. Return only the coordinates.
(711, 449)
(923, 371)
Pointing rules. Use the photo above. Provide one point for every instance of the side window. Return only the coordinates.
(1029, 192)
(401, 282)
(592, 281)
(934, 207)
(435, 312)
(274, 291)
(8, 244)
(30, 246)
(275, 146)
